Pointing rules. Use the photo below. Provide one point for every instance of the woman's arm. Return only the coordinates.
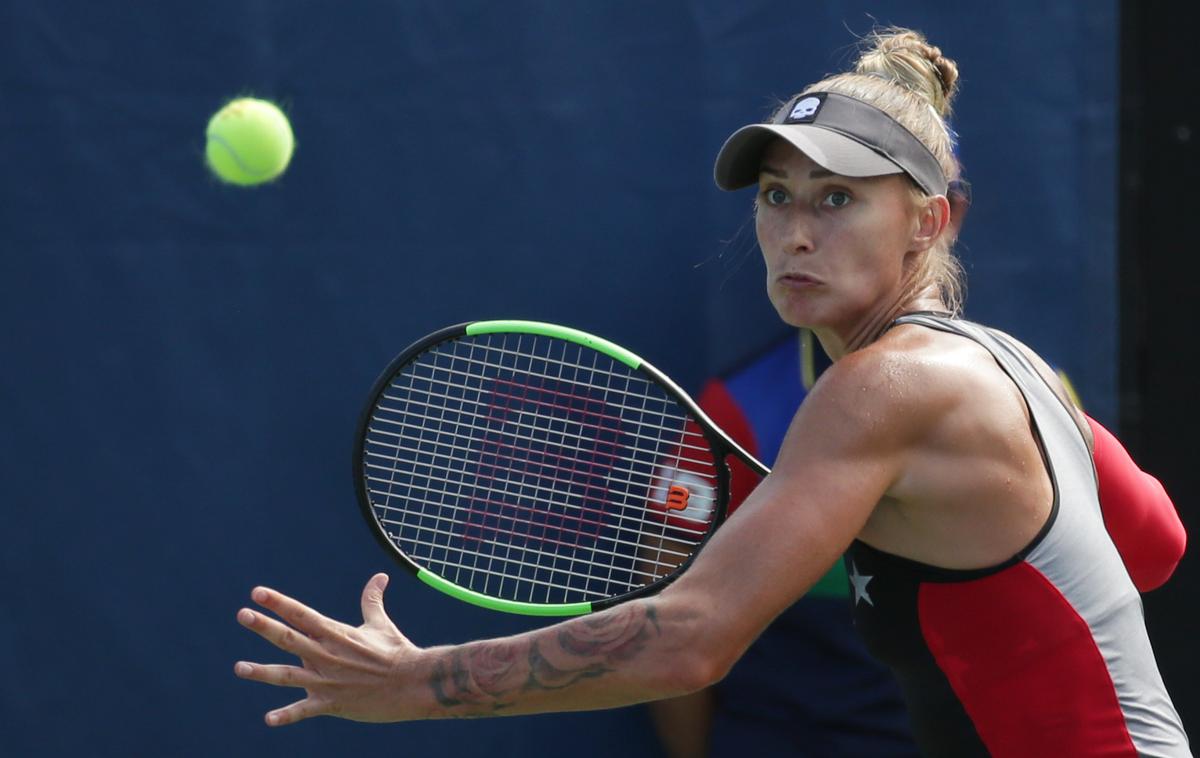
(842, 453)
(627, 654)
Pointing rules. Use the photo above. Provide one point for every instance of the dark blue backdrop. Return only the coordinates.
(183, 362)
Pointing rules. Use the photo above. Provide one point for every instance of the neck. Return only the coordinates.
(838, 344)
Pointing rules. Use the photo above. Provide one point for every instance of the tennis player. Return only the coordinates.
(807, 685)
(942, 459)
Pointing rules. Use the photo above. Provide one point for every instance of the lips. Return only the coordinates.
(798, 280)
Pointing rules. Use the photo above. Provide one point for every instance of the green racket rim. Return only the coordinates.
(496, 604)
(610, 349)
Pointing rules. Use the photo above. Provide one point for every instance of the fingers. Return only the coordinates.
(293, 611)
(327, 650)
(280, 635)
(374, 614)
(278, 675)
(298, 711)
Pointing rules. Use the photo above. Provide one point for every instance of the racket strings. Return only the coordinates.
(645, 388)
(529, 471)
(405, 429)
(650, 425)
(483, 547)
(537, 495)
(531, 509)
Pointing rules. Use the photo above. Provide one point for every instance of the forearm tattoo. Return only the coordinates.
(483, 678)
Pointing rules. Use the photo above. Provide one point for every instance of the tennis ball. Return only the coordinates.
(249, 142)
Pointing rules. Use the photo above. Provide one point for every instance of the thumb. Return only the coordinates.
(373, 611)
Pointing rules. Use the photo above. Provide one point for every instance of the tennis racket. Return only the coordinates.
(537, 469)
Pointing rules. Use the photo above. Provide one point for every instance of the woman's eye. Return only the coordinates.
(775, 197)
(837, 199)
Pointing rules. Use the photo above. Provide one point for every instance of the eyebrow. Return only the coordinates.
(816, 173)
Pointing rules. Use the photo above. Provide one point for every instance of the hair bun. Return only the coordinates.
(906, 57)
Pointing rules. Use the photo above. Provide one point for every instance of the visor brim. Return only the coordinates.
(740, 159)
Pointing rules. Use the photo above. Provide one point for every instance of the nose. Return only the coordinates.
(797, 234)
(789, 230)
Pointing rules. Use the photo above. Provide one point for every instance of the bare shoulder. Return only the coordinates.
(893, 388)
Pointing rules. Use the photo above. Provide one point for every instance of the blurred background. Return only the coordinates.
(184, 361)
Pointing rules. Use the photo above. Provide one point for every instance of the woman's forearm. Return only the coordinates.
(624, 655)
(637, 651)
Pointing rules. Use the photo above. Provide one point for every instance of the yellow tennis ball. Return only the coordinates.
(249, 142)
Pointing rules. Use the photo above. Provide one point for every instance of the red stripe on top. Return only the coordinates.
(1138, 513)
(1024, 665)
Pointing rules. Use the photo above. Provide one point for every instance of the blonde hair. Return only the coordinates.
(900, 73)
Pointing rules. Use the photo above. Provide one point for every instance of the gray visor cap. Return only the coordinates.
(840, 134)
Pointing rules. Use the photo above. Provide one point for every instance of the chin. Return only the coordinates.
(795, 317)
(794, 313)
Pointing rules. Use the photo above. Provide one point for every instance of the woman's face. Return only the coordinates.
(834, 246)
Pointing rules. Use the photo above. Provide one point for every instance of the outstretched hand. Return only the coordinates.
(355, 673)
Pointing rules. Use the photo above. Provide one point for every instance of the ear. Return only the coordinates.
(932, 219)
